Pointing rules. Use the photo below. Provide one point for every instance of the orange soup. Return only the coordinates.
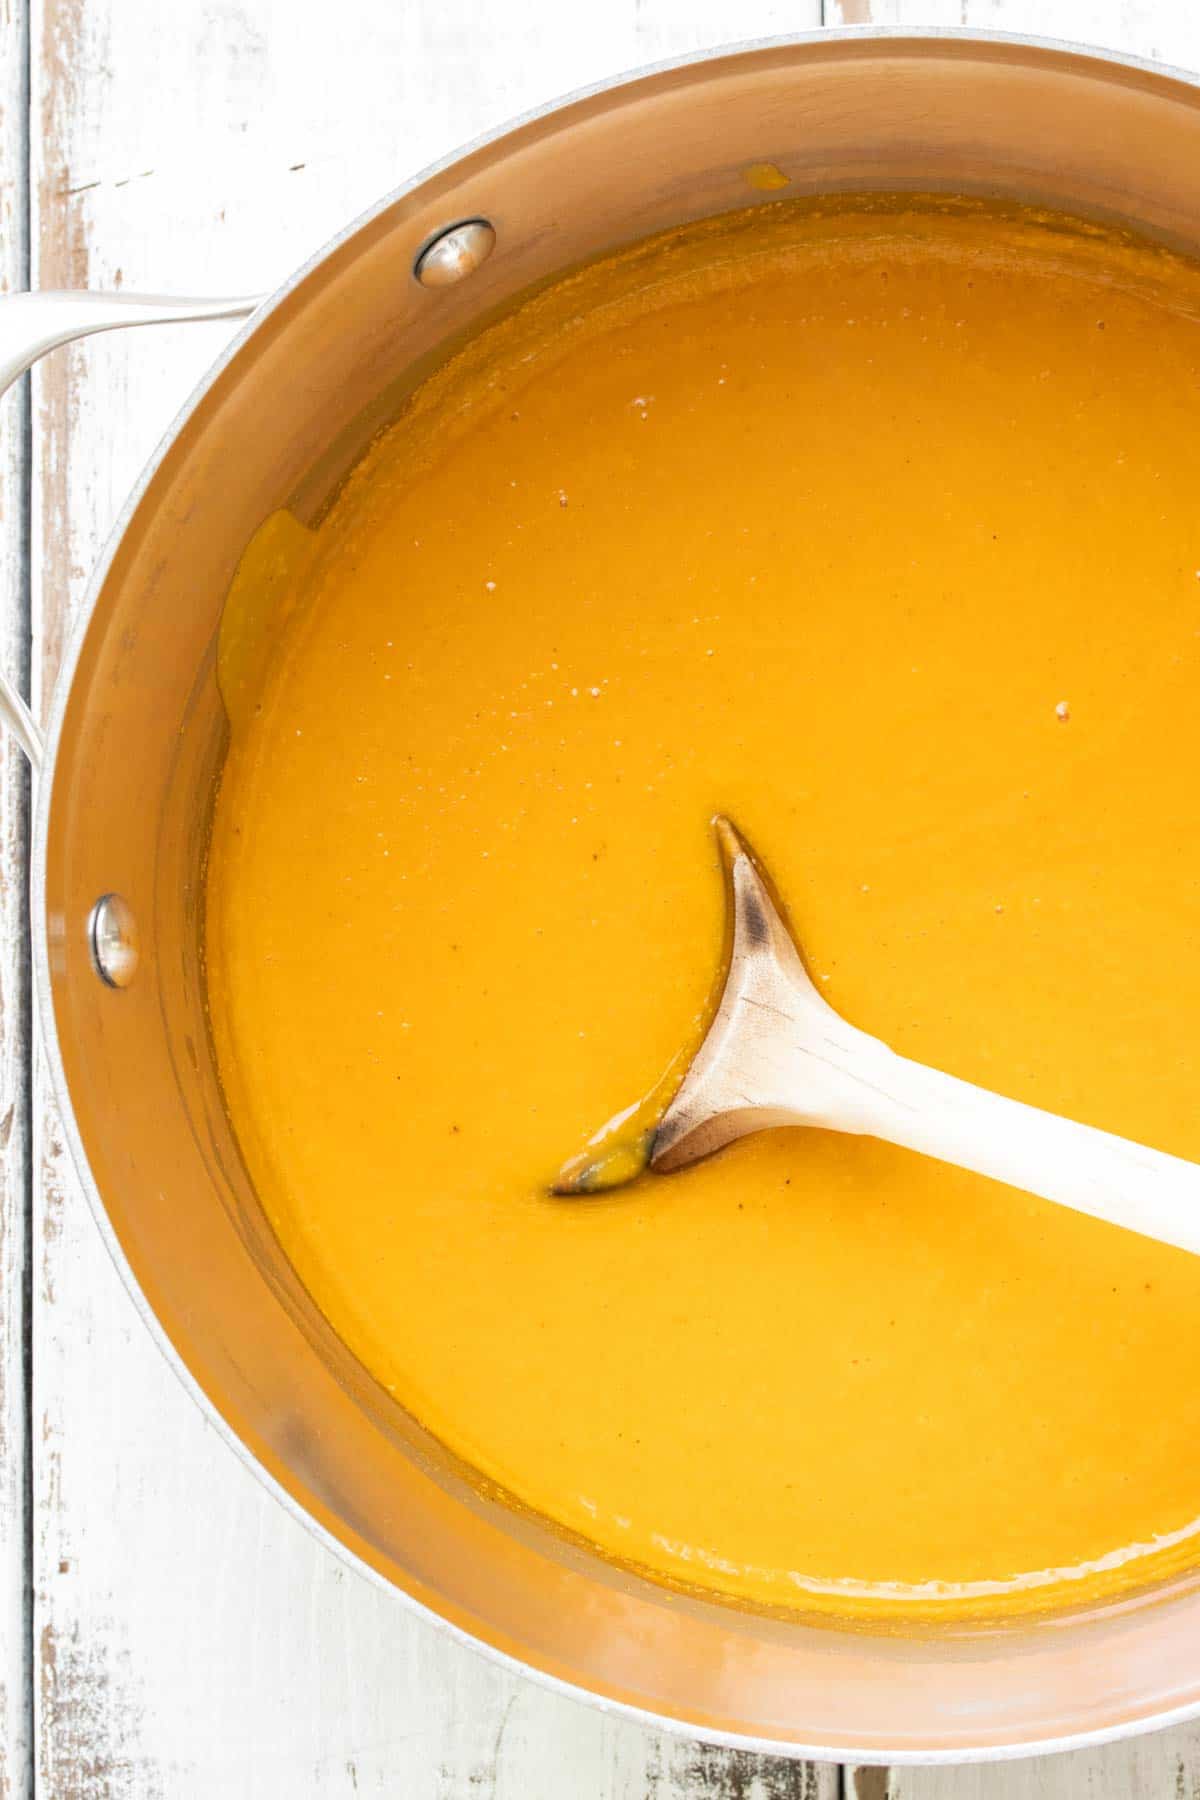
(876, 526)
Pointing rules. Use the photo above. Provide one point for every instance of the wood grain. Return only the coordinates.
(15, 1719)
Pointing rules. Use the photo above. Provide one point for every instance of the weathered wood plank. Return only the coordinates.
(1160, 1766)
(192, 1639)
(15, 1714)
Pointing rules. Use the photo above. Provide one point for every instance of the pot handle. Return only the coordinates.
(32, 324)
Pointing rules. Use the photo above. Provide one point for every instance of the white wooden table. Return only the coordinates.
(165, 1629)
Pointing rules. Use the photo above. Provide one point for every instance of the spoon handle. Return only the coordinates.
(1075, 1165)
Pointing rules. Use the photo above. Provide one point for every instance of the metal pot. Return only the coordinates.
(135, 742)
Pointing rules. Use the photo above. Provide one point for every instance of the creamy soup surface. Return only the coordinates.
(876, 526)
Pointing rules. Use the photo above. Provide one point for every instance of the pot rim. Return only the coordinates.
(1100, 58)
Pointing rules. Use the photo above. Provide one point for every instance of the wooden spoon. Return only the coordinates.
(776, 1053)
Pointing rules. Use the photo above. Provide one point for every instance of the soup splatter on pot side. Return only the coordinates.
(874, 525)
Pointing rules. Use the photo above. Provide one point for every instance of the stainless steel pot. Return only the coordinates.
(135, 742)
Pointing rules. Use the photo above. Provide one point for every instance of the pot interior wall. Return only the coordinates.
(138, 747)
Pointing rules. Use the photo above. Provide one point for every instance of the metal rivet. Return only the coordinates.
(113, 936)
(455, 253)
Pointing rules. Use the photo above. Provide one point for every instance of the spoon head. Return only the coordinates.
(612, 1160)
(730, 1087)
(678, 1122)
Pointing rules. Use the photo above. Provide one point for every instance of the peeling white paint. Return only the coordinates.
(15, 1666)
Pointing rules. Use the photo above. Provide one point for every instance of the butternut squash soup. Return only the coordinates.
(876, 525)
